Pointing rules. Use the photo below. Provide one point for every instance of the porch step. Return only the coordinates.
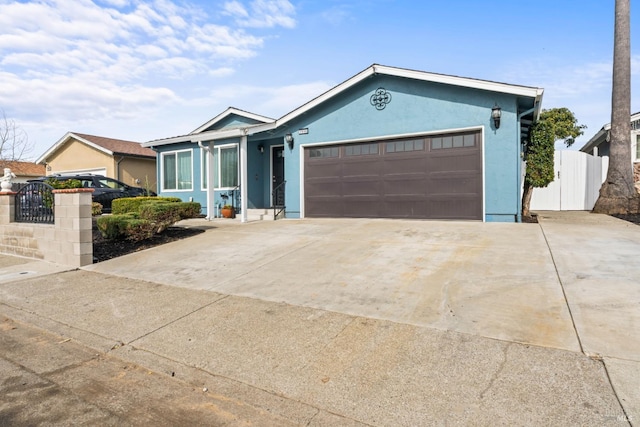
(259, 214)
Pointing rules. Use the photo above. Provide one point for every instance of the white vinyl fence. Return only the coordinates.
(578, 178)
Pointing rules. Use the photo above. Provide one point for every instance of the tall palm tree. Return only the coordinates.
(618, 194)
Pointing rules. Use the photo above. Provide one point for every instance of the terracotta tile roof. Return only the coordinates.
(118, 146)
(22, 168)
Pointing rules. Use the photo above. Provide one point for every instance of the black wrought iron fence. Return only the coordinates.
(34, 203)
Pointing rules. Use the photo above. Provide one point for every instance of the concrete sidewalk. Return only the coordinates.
(372, 322)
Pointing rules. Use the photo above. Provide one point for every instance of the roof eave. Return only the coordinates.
(524, 91)
(55, 147)
(226, 113)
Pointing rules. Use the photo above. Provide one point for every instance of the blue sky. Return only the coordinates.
(141, 70)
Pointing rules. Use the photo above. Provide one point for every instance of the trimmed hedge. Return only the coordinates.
(132, 204)
(153, 215)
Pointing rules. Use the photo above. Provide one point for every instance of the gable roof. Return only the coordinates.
(109, 146)
(23, 168)
(375, 69)
(601, 135)
(231, 111)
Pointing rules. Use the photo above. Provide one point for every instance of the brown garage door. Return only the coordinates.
(435, 177)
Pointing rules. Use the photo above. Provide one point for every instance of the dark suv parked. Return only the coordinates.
(105, 189)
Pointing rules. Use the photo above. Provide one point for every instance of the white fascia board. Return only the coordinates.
(55, 147)
(525, 91)
(229, 111)
(327, 95)
(595, 140)
(217, 134)
(528, 91)
(213, 135)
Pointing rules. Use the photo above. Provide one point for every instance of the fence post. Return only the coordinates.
(7, 207)
(73, 226)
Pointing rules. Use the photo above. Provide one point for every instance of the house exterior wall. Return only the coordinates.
(76, 155)
(137, 172)
(417, 107)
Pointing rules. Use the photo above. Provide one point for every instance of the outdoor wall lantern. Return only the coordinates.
(289, 140)
(261, 148)
(496, 113)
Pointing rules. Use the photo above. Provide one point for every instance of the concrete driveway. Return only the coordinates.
(570, 282)
(492, 280)
(356, 322)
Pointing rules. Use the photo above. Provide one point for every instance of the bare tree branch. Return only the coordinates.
(14, 141)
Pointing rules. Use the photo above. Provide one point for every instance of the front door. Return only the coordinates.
(277, 176)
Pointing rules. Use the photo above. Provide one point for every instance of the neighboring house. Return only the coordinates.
(599, 144)
(126, 161)
(386, 143)
(24, 171)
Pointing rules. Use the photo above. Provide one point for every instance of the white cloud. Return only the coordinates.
(267, 101)
(337, 14)
(63, 61)
(263, 13)
(584, 88)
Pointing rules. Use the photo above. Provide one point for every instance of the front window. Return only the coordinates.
(177, 171)
(225, 159)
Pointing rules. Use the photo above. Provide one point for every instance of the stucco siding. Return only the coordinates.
(75, 155)
(137, 172)
(417, 107)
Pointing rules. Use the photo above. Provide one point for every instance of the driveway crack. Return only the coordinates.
(495, 376)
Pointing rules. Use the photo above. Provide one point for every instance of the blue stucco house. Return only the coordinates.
(386, 143)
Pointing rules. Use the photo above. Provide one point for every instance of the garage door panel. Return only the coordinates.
(404, 186)
(444, 183)
(441, 183)
(331, 207)
(319, 188)
(362, 188)
(460, 208)
(464, 162)
(395, 165)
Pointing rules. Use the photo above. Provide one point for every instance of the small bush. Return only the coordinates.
(112, 226)
(161, 214)
(137, 229)
(189, 209)
(132, 204)
(96, 209)
(154, 215)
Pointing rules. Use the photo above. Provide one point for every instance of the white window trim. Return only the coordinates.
(205, 170)
(175, 152)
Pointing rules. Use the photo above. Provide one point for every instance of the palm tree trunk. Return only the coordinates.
(617, 194)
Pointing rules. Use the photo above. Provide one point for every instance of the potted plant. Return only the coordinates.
(227, 211)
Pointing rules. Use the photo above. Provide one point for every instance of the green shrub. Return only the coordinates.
(96, 209)
(161, 214)
(112, 226)
(132, 204)
(189, 209)
(137, 229)
(62, 185)
(153, 216)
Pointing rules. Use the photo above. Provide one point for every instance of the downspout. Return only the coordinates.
(244, 177)
(118, 168)
(520, 160)
(210, 189)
